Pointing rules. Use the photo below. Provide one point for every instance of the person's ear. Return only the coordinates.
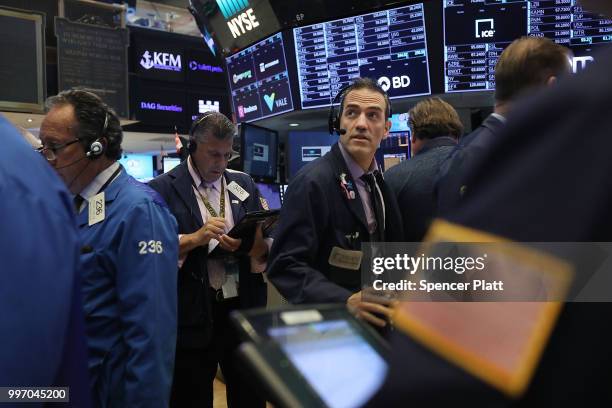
(387, 129)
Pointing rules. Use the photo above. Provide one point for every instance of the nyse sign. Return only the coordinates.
(242, 23)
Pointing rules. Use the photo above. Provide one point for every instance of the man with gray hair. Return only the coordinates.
(207, 200)
(128, 253)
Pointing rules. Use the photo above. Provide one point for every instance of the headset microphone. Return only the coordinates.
(71, 164)
(341, 131)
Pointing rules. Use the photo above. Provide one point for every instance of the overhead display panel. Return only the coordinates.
(259, 81)
(22, 68)
(388, 46)
(477, 31)
(239, 23)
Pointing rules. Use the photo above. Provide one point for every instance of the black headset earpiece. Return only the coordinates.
(96, 148)
(193, 145)
(333, 121)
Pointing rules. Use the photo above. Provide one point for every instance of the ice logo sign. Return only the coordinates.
(580, 63)
(485, 28)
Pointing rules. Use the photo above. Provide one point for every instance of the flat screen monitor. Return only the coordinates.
(22, 66)
(389, 46)
(399, 122)
(170, 162)
(259, 152)
(272, 194)
(393, 150)
(139, 166)
(471, 54)
(305, 147)
(259, 80)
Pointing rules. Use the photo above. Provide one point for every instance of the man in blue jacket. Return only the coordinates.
(42, 329)
(129, 251)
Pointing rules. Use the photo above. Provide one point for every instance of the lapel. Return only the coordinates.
(493, 124)
(110, 194)
(238, 207)
(339, 167)
(182, 183)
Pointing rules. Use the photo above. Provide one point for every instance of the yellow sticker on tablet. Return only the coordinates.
(500, 342)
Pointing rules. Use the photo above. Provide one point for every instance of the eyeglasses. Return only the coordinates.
(50, 152)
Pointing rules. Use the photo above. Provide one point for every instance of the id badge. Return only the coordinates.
(230, 287)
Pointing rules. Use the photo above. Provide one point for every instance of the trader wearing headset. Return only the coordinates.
(333, 205)
(128, 254)
(207, 200)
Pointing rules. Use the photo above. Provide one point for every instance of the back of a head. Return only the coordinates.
(214, 124)
(528, 63)
(433, 118)
(95, 119)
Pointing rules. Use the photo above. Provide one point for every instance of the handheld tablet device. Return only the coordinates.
(245, 228)
(312, 356)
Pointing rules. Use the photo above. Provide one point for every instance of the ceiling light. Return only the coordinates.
(294, 124)
(30, 120)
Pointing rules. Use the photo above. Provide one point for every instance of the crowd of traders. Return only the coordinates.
(128, 306)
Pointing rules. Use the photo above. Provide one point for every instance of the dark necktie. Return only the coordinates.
(377, 206)
(78, 201)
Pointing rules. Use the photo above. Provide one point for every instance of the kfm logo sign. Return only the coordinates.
(402, 81)
(161, 60)
(485, 28)
(244, 20)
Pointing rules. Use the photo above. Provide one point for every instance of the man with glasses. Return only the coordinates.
(207, 200)
(128, 254)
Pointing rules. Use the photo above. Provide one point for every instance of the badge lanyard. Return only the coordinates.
(110, 180)
(209, 207)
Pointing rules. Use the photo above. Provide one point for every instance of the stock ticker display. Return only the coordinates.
(259, 81)
(389, 46)
(477, 31)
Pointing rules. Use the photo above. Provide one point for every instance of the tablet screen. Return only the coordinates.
(339, 364)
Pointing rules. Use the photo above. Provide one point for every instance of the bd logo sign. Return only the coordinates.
(402, 81)
(485, 28)
(244, 20)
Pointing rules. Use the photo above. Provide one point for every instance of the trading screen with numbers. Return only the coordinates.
(389, 46)
(477, 31)
(259, 80)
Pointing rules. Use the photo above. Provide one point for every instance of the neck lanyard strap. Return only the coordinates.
(209, 207)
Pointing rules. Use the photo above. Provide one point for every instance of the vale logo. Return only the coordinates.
(269, 99)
